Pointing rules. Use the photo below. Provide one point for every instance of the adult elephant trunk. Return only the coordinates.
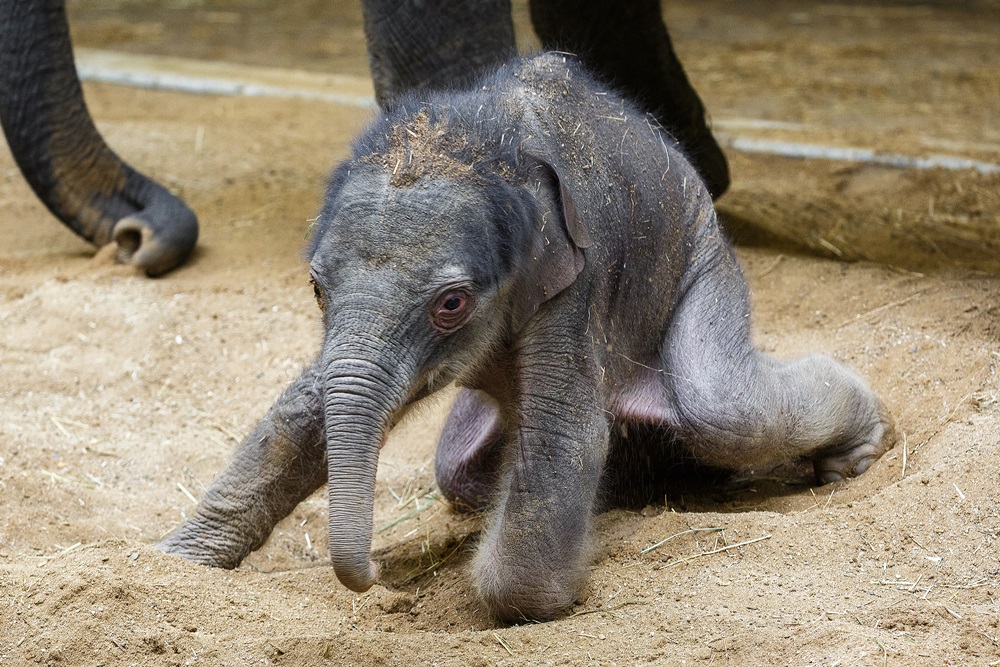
(64, 158)
(362, 396)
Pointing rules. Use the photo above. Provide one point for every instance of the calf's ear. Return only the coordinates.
(557, 242)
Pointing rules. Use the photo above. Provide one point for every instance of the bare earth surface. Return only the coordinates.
(121, 397)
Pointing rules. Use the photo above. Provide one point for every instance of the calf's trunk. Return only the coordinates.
(361, 399)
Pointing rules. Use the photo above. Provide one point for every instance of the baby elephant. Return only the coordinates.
(543, 244)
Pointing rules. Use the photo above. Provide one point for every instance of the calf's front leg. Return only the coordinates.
(533, 557)
(280, 463)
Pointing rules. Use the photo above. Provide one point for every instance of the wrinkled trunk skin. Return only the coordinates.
(361, 399)
(64, 158)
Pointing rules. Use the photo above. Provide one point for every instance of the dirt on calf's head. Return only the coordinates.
(420, 146)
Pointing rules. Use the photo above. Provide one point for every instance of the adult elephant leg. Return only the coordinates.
(434, 44)
(63, 156)
(626, 43)
(279, 464)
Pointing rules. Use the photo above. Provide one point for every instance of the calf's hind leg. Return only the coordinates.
(467, 464)
(735, 406)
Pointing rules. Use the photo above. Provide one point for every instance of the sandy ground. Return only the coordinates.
(121, 397)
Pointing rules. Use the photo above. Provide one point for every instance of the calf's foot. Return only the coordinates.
(836, 464)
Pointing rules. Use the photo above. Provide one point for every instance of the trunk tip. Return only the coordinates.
(358, 580)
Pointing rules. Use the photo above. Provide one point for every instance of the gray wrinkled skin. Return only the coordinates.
(543, 244)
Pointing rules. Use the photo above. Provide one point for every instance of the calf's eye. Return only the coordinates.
(451, 310)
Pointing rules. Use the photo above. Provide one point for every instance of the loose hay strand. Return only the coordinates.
(873, 311)
(183, 489)
(771, 267)
(434, 566)
(432, 498)
(62, 428)
(832, 491)
(61, 552)
(714, 529)
(503, 643)
(72, 422)
(608, 610)
(961, 402)
(716, 551)
(902, 475)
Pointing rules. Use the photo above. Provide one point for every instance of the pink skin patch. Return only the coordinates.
(643, 400)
